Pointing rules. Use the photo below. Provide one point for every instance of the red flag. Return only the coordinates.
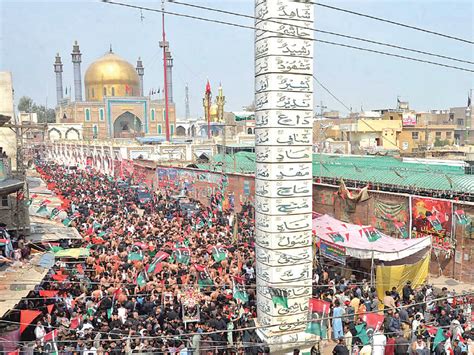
(50, 308)
(48, 293)
(15, 352)
(51, 336)
(34, 196)
(373, 320)
(199, 267)
(26, 317)
(59, 277)
(319, 306)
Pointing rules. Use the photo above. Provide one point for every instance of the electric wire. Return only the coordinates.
(321, 31)
(393, 22)
(289, 36)
(297, 323)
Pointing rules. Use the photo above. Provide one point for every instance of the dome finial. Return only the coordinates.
(110, 50)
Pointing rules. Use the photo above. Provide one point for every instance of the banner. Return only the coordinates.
(333, 251)
(431, 217)
(393, 218)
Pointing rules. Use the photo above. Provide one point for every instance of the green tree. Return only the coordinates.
(25, 104)
(45, 115)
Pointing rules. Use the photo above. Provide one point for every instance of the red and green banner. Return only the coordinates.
(431, 217)
(318, 310)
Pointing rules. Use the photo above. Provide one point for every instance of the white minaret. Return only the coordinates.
(58, 69)
(140, 71)
(283, 177)
(76, 60)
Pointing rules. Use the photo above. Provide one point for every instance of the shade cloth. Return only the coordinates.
(357, 244)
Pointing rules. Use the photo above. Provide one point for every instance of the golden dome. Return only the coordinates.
(213, 110)
(111, 75)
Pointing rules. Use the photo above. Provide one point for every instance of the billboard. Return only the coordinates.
(431, 217)
(408, 119)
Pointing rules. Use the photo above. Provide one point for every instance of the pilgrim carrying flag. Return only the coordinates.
(50, 345)
(374, 322)
(141, 279)
(461, 217)
(182, 255)
(239, 292)
(279, 296)
(318, 310)
(204, 279)
(218, 253)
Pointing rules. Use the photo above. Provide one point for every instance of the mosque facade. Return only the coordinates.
(115, 106)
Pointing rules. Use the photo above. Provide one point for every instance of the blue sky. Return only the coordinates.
(33, 31)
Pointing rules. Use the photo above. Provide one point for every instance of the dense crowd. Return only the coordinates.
(152, 284)
(113, 303)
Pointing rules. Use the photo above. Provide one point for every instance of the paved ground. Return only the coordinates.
(451, 284)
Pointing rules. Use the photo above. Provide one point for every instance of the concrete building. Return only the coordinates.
(7, 136)
(114, 105)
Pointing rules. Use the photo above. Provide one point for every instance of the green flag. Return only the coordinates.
(55, 249)
(239, 292)
(279, 296)
(204, 279)
(29, 202)
(439, 338)
(218, 253)
(42, 209)
(109, 312)
(54, 212)
(135, 256)
(362, 333)
(67, 222)
(182, 255)
(96, 225)
(141, 279)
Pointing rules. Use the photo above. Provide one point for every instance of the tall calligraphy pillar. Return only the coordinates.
(283, 191)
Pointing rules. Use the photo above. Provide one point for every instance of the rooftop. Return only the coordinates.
(366, 169)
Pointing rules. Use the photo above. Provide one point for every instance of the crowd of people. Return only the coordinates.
(142, 289)
(161, 280)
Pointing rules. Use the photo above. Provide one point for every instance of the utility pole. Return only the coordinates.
(322, 108)
(164, 45)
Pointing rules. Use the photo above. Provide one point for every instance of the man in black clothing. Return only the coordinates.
(340, 348)
(407, 292)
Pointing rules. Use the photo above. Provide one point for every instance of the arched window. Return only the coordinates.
(152, 114)
(249, 131)
(104, 91)
(159, 129)
(113, 91)
(93, 93)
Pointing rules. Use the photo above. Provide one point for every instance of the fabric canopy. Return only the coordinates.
(72, 253)
(358, 245)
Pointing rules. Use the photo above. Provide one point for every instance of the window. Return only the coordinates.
(159, 129)
(449, 135)
(5, 202)
(88, 114)
(113, 91)
(438, 135)
(414, 135)
(451, 117)
(93, 94)
(172, 129)
(104, 92)
(101, 114)
(152, 114)
(95, 131)
(460, 122)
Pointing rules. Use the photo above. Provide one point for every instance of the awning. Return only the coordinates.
(27, 275)
(46, 230)
(9, 186)
(72, 253)
(354, 240)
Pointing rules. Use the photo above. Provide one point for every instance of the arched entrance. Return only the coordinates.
(127, 125)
